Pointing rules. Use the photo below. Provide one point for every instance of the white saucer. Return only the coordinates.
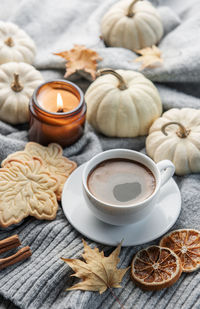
(161, 219)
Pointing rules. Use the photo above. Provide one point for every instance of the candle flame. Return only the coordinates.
(59, 103)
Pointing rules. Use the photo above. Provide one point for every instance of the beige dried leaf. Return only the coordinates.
(98, 273)
(80, 58)
(151, 57)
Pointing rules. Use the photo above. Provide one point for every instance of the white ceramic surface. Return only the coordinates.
(126, 214)
(160, 220)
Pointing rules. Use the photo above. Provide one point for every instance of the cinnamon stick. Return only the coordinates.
(9, 243)
(21, 255)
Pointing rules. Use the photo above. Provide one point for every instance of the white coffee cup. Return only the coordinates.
(126, 214)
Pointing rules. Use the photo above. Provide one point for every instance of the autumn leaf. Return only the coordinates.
(98, 272)
(80, 58)
(151, 57)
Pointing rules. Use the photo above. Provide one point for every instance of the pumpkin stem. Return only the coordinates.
(16, 86)
(130, 12)
(182, 132)
(9, 41)
(122, 85)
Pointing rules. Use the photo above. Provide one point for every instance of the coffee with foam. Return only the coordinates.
(121, 182)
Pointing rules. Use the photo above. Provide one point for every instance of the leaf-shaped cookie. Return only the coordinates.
(26, 189)
(55, 163)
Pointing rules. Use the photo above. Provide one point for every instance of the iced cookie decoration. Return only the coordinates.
(155, 268)
(53, 160)
(132, 24)
(15, 44)
(175, 136)
(186, 244)
(26, 189)
(17, 83)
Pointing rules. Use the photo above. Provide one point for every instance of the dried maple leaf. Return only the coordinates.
(80, 58)
(151, 57)
(97, 271)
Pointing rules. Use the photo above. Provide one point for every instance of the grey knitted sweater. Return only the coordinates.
(40, 282)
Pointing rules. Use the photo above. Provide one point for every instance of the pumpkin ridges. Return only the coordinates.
(153, 98)
(117, 120)
(8, 108)
(191, 121)
(135, 119)
(103, 117)
(108, 23)
(111, 34)
(152, 145)
(155, 27)
(189, 148)
(118, 28)
(124, 130)
(180, 158)
(156, 97)
(22, 115)
(121, 115)
(25, 51)
(20, 38)
(139, 42)
(195, 139)
(193, 156)
(17, 98)
(128, 32)
(161, 149)
(151, 114)
(147, 33)
(140, 112)
(94, 107)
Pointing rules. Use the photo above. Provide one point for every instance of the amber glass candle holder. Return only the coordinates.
(63, 126)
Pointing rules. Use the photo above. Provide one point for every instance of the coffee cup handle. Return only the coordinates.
(167, 169)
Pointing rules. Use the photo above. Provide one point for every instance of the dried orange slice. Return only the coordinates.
(186, 244)
(155, 268)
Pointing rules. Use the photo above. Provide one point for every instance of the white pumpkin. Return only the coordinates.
(176, 137)
(15, 44)
(132, 24)
(17, 83)
(122, 103)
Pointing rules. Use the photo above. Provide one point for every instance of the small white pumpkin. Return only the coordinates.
(122, 103)
(132, 24)
(17, 83)
(176, 137)
(15, 44)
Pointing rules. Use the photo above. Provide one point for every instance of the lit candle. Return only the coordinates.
(59, 104)
(48, 98)
(57, 113)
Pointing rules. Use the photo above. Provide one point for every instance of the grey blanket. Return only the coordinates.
(40, 282)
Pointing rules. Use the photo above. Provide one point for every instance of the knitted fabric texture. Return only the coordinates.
(41, 281)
